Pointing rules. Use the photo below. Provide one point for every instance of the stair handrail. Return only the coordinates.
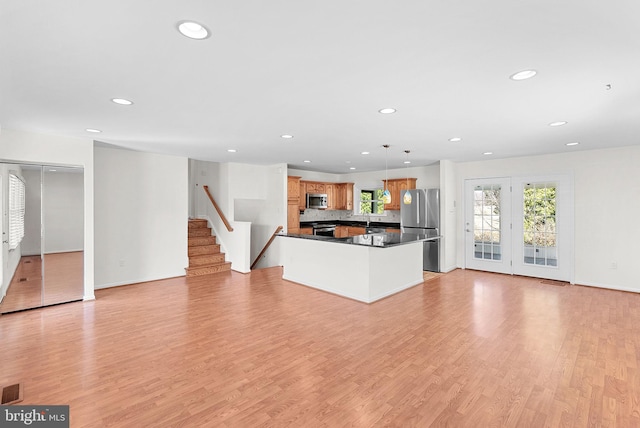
(219, 211)
(264, 250)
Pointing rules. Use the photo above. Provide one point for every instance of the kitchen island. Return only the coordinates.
(364, 267)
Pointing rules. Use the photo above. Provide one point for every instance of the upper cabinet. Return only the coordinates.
(343, 196)
(303, 195)
(339, 195)
(396, 187)
(313, 187)
(293, 188)
(293, 201)
(329, 189)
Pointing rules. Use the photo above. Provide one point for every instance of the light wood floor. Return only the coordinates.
(63, 281)
(464, 349)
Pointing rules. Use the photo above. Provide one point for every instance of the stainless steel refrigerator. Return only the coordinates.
(422, 217)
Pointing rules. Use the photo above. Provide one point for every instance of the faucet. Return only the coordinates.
(368, 219)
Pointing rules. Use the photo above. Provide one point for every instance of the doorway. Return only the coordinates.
(43, 235)
(488, 225)
(520, 226)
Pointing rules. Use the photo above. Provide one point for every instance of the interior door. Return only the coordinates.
(22, 279)
(488, 224)
(542, 237)
(63, 231)
(43, 239)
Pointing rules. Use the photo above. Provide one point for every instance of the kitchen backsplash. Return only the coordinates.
(321, 215)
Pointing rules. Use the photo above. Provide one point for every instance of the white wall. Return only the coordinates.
(428, 176)
(606, 204)
(141, 213)
(26, 147)
(253, 198)
(448, 216)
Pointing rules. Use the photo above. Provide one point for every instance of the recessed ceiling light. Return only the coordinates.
(52, 170)
(231, 150)
(286, 136)
(560, 123)
(122, 101)
(487, 153)
(454, 139)
(523, 75)
(307, 161)
(352, 167)
(387, 110)
(96, 131)
(407, 161)
(575, 143)
(193, 30)
(364, 153)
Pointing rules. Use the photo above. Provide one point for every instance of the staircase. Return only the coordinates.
(204, 254)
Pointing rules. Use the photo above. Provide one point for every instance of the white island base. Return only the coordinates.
(359, 272)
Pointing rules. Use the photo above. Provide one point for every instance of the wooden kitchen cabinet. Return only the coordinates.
(329, 189)
(343, 196)
(303, 195)
(396, 187)
(293, 188)
(346, 231)
(306, 231)
(293, 217)
(339, 195)
(314, 187)
(293, 204)
(356, 230)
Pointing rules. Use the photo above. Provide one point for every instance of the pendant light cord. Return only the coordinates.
(386, 166)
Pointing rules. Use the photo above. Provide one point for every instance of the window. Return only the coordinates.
(16, 210)
(486, 222)
(371, 201)
(540, 233)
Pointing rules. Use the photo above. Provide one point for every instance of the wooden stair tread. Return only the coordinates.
(199, 231)
(204, 253)
(206, 259)
(204, 249)
(201, 240)
(208, 269)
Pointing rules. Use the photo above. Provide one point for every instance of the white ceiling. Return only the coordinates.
(321, 71)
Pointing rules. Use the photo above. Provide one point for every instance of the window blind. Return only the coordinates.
(16, 210)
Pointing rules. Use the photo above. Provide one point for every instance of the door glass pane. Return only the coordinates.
(539, 231)
(486, 222)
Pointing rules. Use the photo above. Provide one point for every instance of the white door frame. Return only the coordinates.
(503, 265)
(564, 215)
(512, 228)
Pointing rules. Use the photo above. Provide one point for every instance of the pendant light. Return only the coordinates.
(407, 195)
(386, 195)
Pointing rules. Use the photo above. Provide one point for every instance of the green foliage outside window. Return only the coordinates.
(540, 216)
(371, 201)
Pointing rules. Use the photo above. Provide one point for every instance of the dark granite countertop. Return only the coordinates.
(380, 240)
(353, 223)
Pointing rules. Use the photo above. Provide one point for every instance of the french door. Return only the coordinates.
(520, 225)
(488, 225)
(542, 227)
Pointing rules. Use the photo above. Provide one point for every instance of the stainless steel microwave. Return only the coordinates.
(317, 200)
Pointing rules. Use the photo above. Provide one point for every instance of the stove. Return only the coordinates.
(324, 229)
